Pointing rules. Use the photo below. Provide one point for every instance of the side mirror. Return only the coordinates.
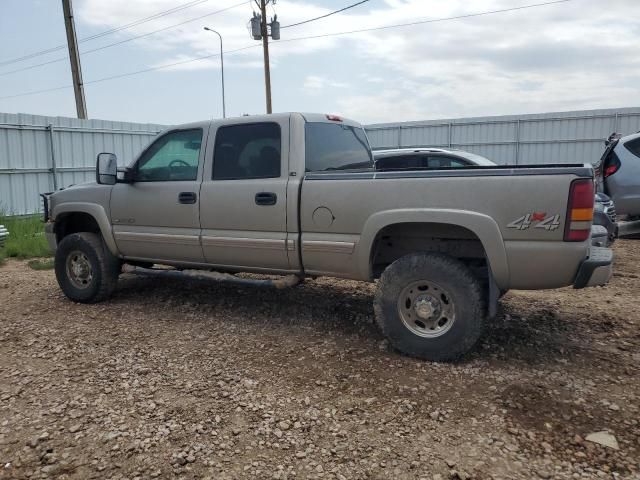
(106, 169)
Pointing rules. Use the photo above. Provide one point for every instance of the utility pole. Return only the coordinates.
(74, 57)
(260, 31)
(265, 52)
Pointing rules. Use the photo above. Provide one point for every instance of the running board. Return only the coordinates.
(279, 283)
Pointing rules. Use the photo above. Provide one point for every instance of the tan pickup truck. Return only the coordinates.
(298, 194)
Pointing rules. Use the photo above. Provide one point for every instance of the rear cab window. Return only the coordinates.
(336, 147)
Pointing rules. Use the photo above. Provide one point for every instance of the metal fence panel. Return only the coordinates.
(33, 147)
(39, 154)
(435, 135)
(559, 137)
(384, 136)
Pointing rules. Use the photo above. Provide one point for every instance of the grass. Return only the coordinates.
(42, 264)
(26, 238)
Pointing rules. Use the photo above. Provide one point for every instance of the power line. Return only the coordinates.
(35, 92)
(145, 19)
(129, 74)
(108, 32)
(325, 15)
(421, 22)
(60, 59)
(160, 67)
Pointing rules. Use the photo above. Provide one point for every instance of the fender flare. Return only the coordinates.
(483, 226)
(99, 215)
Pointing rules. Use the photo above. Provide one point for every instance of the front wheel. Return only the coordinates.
(86, 270)
(430, 306)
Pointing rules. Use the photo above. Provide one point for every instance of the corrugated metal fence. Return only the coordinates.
(41, 154)
(565, 137)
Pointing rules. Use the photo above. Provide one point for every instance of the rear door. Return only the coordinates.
(243, 210)
(156, 217)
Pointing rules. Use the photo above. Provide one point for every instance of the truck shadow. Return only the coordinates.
(345, 308)
(536, 335)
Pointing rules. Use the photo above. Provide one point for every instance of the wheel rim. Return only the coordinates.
(79, 270)
(426, 309)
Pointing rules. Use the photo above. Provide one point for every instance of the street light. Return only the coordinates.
(224, 112)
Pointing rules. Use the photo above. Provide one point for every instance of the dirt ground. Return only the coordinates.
(187, 379)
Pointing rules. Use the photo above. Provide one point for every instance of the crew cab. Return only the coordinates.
(297, 194)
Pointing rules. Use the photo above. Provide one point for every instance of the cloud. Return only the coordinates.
(578, 54)
(382, 107)
(316, 83)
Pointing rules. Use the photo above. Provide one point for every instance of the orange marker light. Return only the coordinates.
(582, 214)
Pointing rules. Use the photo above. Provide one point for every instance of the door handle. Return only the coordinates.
(266, 198)
(187, 197)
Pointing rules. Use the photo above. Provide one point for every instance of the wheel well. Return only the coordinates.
(397, 240)
(74, 223)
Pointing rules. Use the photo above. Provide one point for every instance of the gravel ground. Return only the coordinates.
(192, 379)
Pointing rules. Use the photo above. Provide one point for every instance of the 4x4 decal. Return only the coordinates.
(549, 223)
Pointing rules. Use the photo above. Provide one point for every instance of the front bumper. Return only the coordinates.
(50, 235)
(595, 270)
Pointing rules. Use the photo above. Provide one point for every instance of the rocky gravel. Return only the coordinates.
(190, 379)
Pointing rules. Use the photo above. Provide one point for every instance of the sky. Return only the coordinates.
(574, 55)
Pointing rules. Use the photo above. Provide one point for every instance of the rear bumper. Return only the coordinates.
(50, 235)
(595, 270)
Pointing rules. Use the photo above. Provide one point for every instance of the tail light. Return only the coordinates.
(579, 211)
(611, 166)
(610, 170)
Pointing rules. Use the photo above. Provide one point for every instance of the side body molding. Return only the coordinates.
(483, 226)
(98, 213)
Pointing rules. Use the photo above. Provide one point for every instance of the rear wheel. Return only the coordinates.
(430, 306)
(86, 270)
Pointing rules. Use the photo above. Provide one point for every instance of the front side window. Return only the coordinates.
(172, 157)
(251, 150)
(335, 146)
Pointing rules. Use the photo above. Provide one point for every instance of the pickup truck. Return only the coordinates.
(297, 194)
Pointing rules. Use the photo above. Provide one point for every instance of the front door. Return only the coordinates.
(243, 205)
(157, 216)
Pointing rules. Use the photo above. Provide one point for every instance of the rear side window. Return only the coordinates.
(251, 150)
(441, 161)
(402, 162)
(634, 146)
(334, 146)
